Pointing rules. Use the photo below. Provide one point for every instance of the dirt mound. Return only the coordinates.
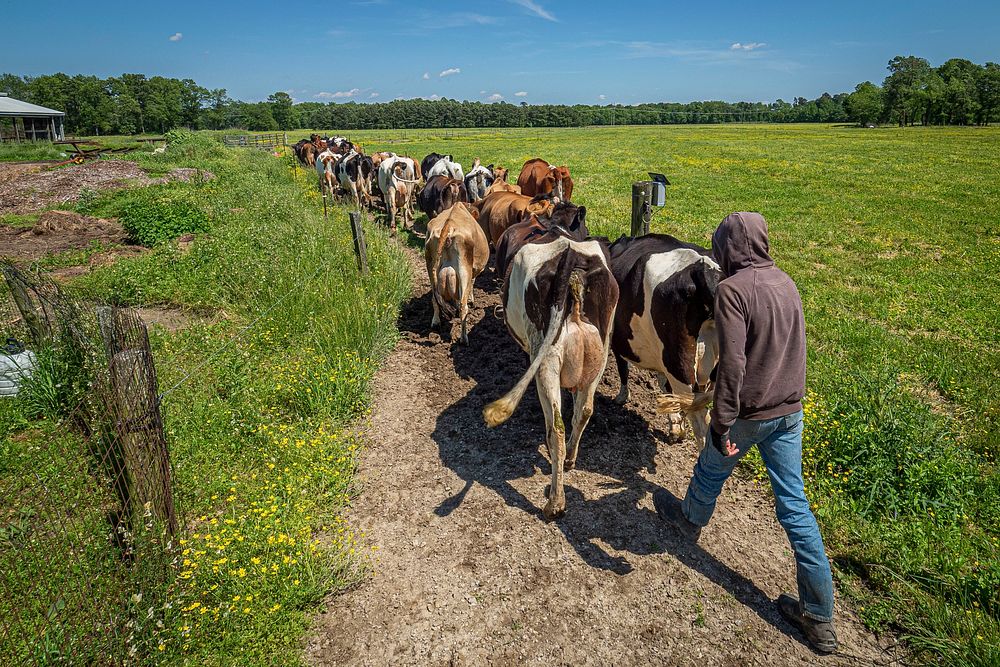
(11, 170)
(57, 231)
(468, 572)
(30, 192)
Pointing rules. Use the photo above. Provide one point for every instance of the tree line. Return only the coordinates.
(958, 92)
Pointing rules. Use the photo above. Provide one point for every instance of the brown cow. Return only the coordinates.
(539, 177)
(500, 210)
(441, 193)
(565, 216)
(456, 252)
(503, 186)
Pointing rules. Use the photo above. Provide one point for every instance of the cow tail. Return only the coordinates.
(500, 410)
(675, 403)
(447, 242)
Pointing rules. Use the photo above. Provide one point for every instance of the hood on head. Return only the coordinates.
(741, 242)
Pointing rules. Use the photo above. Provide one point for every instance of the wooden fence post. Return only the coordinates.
(360, 245)
(38, 326)
(642, 209)
(134, 405)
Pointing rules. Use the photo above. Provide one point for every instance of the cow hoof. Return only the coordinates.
(552, 511)
(620, 399)
(569, 465)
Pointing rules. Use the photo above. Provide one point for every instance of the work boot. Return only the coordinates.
(819, 634)
(668, 508)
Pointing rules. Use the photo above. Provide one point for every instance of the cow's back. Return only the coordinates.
(666, 289)
(531, 176)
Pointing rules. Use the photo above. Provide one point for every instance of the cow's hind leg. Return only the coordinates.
(622, 363)
(465, 279)
(550, 396)
(436, 318)
(583, 409)
(668, 385)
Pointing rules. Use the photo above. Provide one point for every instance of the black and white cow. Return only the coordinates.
(665, 321)
(355, 172)
(446, 166)
(428, 163)
(559, 301)
(478, 180)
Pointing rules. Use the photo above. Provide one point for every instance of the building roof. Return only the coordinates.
(11, 107)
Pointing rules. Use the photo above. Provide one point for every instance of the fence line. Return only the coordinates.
(94, 526)
(268, 142)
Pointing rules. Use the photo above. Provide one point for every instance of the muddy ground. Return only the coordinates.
(29, 188)
(467, 570)
(55, 232)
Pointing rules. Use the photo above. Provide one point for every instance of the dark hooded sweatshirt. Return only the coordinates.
(762, 339)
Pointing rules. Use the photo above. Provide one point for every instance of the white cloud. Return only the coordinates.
(495, 97)
(426, 76)
(749, 46)
(482, 92)
(340, 94)
(373, 95)
(602, 97)
(450, 71)
(433, 97)
(535, 9)
(458, 20)
(520, 93)
(176, 37)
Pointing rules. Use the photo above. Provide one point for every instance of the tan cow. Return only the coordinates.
(456, 252)
(499, 210)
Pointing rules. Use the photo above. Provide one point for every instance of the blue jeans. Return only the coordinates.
(780, 444)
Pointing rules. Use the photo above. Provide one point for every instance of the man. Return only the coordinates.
(758, 401)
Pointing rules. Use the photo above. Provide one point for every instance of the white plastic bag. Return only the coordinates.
(14, 370)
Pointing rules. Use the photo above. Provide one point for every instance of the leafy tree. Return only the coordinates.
(283, 111)
(988, 94)
(864, 106)
(904, 88)
(257, 117)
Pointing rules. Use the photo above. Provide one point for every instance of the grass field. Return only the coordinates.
(891, 235)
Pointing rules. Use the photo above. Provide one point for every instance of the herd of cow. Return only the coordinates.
(568, 298)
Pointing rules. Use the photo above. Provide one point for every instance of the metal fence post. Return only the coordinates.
(360, 245)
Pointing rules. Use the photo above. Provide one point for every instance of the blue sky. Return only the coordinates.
(541, 51)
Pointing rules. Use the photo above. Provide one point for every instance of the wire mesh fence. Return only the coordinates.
(87, 515)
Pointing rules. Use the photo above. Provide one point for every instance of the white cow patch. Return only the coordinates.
(645, 341)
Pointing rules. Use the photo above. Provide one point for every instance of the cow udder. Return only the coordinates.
(583, 355)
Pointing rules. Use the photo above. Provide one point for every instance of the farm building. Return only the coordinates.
(22, 121)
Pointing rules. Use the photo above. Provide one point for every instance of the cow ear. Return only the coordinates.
(473, 211)
(581, 215)
(490, 167)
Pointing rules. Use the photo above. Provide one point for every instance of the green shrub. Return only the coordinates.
(152, 220)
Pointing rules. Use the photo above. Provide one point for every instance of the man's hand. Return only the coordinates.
(722, 443)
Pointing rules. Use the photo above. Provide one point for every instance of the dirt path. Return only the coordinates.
(468, 571)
